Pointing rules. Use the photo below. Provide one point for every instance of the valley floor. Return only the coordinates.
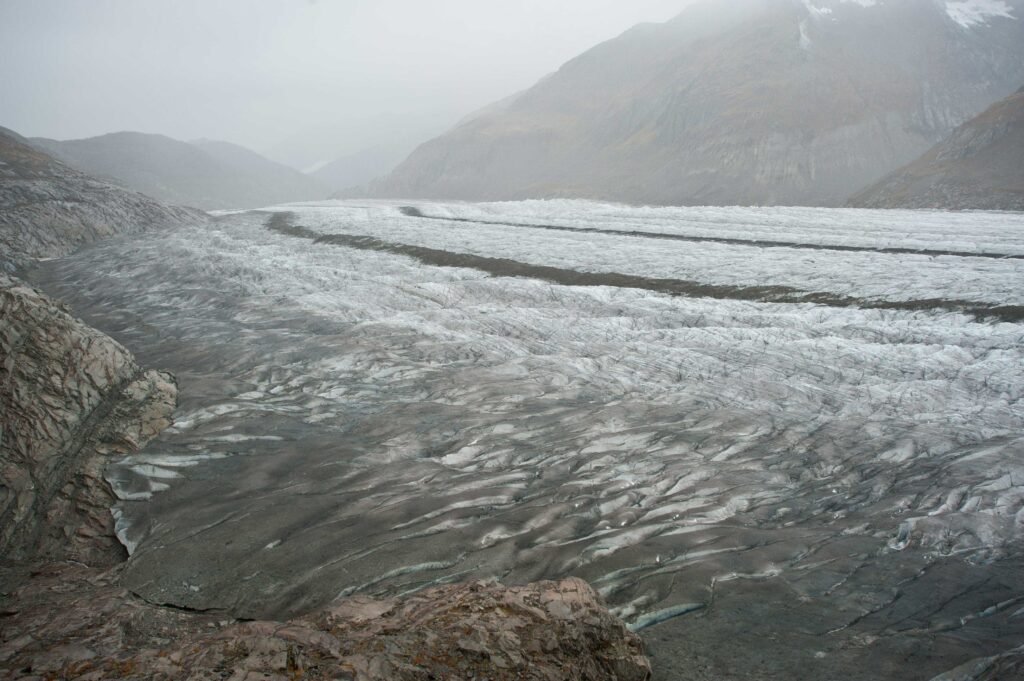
(781, 443)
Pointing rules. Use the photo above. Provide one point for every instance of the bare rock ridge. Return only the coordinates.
(752, 102)
(548, 631)
(980, 166)
(49, 210)
(71, 398)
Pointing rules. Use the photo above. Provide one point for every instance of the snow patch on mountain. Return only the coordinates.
(816, 11)
(805, 39)
(970, 13)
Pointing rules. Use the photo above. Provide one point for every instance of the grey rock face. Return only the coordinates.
(49, 210)
(750, 102)
(71, 398)
(548, 631)
(980, 166)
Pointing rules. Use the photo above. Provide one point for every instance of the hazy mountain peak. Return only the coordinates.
(208, 174)
(749, 102)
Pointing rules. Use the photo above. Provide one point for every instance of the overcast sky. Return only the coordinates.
(285, 77)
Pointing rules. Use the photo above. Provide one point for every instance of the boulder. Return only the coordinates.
(548, 631)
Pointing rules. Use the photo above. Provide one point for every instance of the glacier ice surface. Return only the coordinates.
(382, 424)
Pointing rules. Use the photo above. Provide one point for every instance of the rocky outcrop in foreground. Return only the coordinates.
(48, 210)
(70, 398)
(980, 166)
(549, 631)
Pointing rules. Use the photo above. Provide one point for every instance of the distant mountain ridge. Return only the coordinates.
(980, 166)
(205, 174)
(356, 169)
(49, 210)
(274, 178)
(747, 102)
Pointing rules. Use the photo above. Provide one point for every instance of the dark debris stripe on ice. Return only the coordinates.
(503, 267)
(413, 212)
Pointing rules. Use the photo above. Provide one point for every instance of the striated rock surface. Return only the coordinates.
(49, 210)
(747, 102)
(549, 631)
(980, 166)
(71, 398)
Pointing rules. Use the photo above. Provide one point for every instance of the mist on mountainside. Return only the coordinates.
(753, 102)
(302, 83)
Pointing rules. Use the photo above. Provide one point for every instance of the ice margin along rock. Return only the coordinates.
(72, 398)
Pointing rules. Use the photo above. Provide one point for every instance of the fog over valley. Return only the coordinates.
(300, 81)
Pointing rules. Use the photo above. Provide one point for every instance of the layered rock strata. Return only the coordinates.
(71, 399)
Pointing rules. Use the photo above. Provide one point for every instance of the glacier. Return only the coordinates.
(355, 419)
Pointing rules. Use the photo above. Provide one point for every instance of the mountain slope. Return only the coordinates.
(211, 175)
(48, 209)
(362, 166)
(749, 102)
(980, 166)
(276, 181)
